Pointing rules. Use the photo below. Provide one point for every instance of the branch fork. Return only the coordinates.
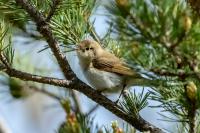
(71, 82)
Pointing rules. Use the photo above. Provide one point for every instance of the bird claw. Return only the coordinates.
(121, 93)
(100, 91)
(117, 101)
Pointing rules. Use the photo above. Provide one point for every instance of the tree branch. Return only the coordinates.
(192, 118)
(54, 6)
(30, 77)
(139, 123)
(45, 30)
(94, 34)
(195, 5)
(74, 83)
(180, 74)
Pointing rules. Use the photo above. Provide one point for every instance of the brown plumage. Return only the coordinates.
(115, 66)
(104, 70)
(105, 61)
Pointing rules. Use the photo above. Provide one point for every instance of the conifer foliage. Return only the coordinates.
(158, 38)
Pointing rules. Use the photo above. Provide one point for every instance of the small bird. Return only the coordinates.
(104, 71)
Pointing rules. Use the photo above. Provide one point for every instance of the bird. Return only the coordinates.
(104, 71)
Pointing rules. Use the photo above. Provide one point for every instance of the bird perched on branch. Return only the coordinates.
(105, 71)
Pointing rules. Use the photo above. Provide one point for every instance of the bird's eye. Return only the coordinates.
(87, 48)
(91, 48)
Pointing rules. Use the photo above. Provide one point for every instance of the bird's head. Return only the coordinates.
(88, 49)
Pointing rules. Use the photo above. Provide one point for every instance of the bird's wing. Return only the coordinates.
(111, 63)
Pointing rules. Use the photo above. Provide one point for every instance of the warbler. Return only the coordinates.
(104, 71)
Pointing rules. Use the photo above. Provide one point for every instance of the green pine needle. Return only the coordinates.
(133, 103)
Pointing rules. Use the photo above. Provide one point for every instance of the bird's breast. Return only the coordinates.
(102, 79)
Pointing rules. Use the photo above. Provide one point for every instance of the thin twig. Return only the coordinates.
(31, 77)
(45, 92)
(181, 74)
(192, 118)
(180, 39)
(93, 33)
(76, 101)
(92, 110)
(54, 6)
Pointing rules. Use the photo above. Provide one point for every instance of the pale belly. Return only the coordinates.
(103, 80)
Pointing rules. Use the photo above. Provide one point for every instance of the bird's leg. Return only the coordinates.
(122, 91)
(101, 90)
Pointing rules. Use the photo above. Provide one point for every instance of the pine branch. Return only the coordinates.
(139, 123)
(178, 42)
(94, 34)
(45, 30)
(74, 83)
(181, 74)
(77, 102)
(192, 108)
(92, 110)
(30, 77)
(192, 119)
(170, 38)
(195, 5)
(54, 6)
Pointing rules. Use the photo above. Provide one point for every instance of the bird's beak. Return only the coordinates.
(72, 48)
(78, 47)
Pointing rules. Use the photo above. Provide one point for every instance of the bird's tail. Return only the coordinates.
(146, 82)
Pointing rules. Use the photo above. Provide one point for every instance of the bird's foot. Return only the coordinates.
(117, 101)
(100, 91)
(121, 93)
